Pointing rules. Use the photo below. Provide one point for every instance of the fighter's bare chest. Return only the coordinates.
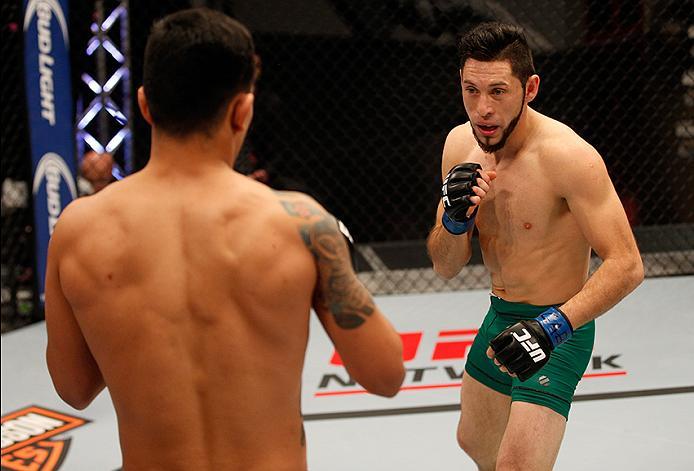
(522, 201)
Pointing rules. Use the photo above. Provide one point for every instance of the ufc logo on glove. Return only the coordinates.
(533, 348)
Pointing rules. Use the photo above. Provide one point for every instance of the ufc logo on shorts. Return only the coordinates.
(534, 349)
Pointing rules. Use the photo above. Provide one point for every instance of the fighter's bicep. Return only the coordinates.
(338, 291)
(338, 288)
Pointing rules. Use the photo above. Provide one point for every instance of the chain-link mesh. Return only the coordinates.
(356, 98)
(18, 293)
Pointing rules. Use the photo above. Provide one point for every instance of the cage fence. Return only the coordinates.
(356, 98)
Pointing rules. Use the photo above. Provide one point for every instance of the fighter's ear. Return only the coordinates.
(241, 111)
(532, 87)
(144, 106)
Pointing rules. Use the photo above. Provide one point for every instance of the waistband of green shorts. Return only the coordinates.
(516, 310)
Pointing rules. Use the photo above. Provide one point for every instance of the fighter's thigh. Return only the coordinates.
(483, 416)
(532, 438)
(554, 385)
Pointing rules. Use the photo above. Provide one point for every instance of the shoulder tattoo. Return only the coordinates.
(340, 291)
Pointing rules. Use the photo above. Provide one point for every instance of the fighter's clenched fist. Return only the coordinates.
(463, 190)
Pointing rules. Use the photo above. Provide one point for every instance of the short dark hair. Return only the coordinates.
(494, 41)
(196, 61)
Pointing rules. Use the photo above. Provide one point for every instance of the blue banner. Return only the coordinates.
(50, 111)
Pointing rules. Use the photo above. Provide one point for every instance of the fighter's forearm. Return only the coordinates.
(606, 287)
(449, 253)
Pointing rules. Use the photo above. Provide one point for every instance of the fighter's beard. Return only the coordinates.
(491, 148)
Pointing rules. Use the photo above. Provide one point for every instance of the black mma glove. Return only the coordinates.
(455, 195)
(525, 347)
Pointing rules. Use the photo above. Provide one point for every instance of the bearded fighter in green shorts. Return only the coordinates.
(541, 199)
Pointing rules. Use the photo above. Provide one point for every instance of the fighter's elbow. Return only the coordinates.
(628, 268)
(76, 401)
(389, 392)
(382, 376)
(75, 395)
(77, 392)
(387, 383)
(446, 271)
(635, 271)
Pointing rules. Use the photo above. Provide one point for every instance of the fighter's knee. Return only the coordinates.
(469, 441)
(508, 466)
(509, 462)
(463, 441)
(484, 458)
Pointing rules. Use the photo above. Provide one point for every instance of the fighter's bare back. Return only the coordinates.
(220, 316)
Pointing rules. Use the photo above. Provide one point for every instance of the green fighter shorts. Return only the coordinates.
(554, 385)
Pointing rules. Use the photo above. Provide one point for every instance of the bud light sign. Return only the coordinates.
(50, 111)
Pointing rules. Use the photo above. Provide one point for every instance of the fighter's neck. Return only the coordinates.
(191, 153)
(521, 135)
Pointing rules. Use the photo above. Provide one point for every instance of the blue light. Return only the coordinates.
(94, 107)
(116, 141)
(108, 22)
(114, 111)
(113, 81)
(91, 83)
(108, 45)
(92, 46)
(104, 85)
(93, 143)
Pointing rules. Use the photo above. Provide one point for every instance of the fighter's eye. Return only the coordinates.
(471, 90)
(498, 91)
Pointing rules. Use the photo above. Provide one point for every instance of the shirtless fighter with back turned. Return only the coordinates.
(186, 288)
(541, 199)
